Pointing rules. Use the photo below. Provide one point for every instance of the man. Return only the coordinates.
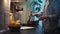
(50, 15)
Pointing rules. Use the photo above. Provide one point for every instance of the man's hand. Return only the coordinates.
(31, 14)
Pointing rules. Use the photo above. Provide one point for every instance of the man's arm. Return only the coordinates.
(47, 17)
(42, 17)
(37, 14)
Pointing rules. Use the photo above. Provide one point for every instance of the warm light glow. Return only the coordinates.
(11, 16)
(25, 27)
(17, 0)
(5, 1)
(6, 5)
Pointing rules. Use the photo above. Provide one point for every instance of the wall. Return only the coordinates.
(4, 13)
(26, 9)
(5, 10)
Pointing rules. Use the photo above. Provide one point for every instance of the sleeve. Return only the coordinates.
(39, 14)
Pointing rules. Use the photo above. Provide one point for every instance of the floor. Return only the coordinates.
(56, 31)
(36, 30)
